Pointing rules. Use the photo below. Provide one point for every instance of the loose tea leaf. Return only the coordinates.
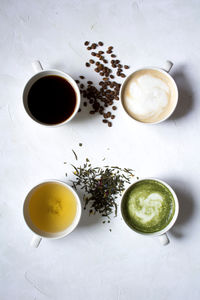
(102, 186)
(76, 157)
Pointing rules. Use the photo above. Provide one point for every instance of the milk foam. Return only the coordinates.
(147, 95)
(146, 208)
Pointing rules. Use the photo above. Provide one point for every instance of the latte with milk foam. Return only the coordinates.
(149, 95)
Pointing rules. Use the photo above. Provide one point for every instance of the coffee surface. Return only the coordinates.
(51, 100)
(148, 206)
(149, 96)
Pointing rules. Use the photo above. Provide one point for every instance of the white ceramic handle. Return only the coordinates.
(36, 241)
(164, 240)
(167, 66)
(37, 67)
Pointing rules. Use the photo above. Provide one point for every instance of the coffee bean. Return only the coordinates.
(82, 86)
(105, 61)
(112, 117)
(94, 46)
(109, 124)
(117, 61)
(120, 66)
(101, 73)
(93, 53)
(110, 47)
(97, 63)
(126, 67)
(105, 121)
(77, 81)
(91, 61)
(87, 64)
(90, 82)
(86, 43)
(79, 110)
(112, 76)
(123, 75)
(96, 70)
(82, 77)
(114, 107)
(113, 55)
(89, 48)
(105, 78)
(100, 43)
(85, 103)
(101, 52)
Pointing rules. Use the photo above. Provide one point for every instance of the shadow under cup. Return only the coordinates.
(51, 98)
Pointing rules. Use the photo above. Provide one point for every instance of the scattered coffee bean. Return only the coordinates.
(103, 97)
(77, 81)
(126, 67)
(86, 43)
(81, 77)
(89, 48)
(79, 110)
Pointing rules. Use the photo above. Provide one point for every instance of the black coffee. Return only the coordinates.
(51, 100)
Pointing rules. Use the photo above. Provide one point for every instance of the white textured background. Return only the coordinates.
(94, 263)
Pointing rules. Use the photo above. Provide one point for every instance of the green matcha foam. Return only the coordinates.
(148, 206)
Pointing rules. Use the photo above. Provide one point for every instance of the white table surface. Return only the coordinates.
(92, 262)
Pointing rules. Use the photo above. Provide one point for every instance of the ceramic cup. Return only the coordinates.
(39, 234)
(162, 234)
(43, 73)
(165, 70)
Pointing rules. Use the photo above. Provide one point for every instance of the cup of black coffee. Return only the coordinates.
(51, 97)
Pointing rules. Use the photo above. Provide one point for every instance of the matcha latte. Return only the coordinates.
(148, 206)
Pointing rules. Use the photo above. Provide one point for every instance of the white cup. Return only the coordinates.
(164, 70)
(162, 234)
(43, 73)
(39, 234)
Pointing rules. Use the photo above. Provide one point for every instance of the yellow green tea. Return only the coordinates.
(52, 207)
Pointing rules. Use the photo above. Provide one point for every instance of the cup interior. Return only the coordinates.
(169, 226)
(45, 73)
(45, 234)
(173, 84)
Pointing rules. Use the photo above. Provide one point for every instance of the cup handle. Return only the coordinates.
(164, 240)
(36, 241)
(167, 66)
(37, 67)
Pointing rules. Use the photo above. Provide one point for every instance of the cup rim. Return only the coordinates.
(55, 235)
(150, 68)
(175, 216)
(55, 72)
